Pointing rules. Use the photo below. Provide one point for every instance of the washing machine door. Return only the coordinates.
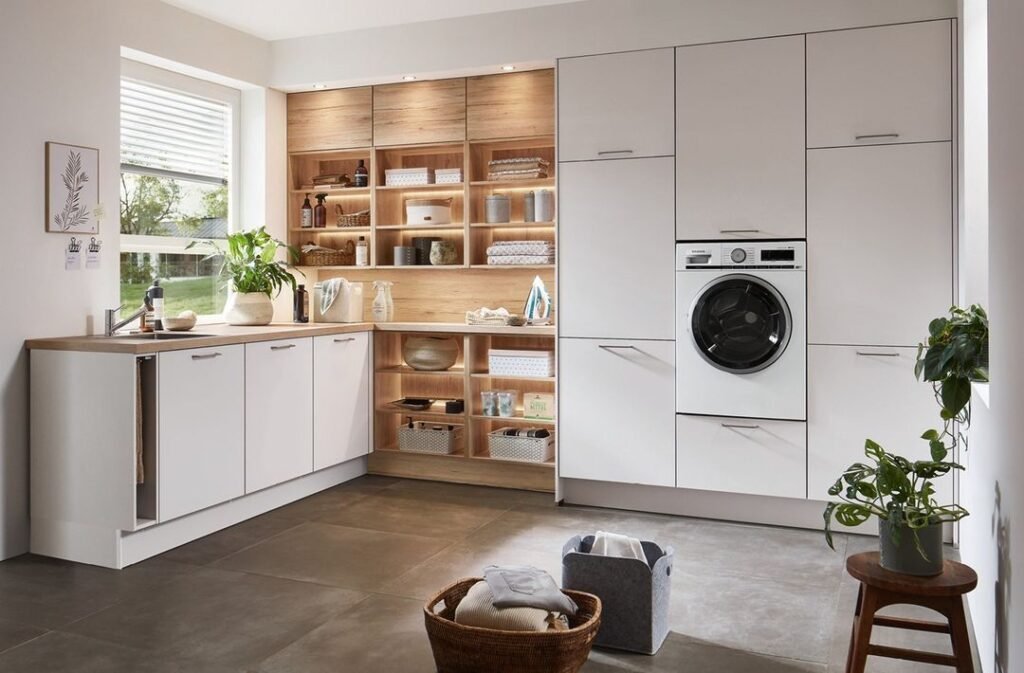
(740, 323)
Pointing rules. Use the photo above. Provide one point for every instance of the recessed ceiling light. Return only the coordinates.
(409, 78)
(508, 68)
(319, 86)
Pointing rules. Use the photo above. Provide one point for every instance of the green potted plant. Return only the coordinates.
(254, 275)
(954, 355)
(901, 494)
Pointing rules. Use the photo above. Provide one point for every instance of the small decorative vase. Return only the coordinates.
(430, 354)
(248, 308)
(902, 554)
(443, 252)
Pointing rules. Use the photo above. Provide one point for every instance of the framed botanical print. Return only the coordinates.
(72, 188)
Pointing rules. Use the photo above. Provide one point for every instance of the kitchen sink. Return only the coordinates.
(160, 336)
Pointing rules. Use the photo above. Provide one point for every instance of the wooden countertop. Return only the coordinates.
(226, 335)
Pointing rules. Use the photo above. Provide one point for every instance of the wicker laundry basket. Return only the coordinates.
(469, 649)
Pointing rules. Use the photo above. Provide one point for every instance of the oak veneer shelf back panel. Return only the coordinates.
(419, 112)
(510, 105)
(335, 119)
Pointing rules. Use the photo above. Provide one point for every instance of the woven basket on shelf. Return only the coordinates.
(361, 219)
(320, 257)
(469, 649)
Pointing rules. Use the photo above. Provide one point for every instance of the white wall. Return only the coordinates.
(543, 34)
(59, 74)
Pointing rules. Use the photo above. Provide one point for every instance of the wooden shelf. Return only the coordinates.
(421, 227)
(403, 369)
(511, 266)
(329, 267)
(513, 419)
(450, 187)
(511, 184)
(511, 225)
(547, 463)
(422, 267)
(330, 230)
(394, 449)
(459, 418)
(484, 375)
(334, 191)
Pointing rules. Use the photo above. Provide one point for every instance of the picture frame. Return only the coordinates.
(72, 188)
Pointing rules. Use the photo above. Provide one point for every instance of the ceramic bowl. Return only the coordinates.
(430, 354)
(179, 324)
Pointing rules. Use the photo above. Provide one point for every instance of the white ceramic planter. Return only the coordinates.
(248, 308)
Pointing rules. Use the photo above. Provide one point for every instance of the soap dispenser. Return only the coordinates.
(320, 212)
(383, 304)
(155, 299)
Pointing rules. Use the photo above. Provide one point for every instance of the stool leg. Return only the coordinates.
(959, 636)
(853, 628)
(861, 637)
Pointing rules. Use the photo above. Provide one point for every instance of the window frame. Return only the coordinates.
(152, 75)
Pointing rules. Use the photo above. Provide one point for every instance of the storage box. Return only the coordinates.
(539, 405)
(634, 595)
(535, 363)
(525, 449)
(425, 437)
(428, 211)
(447, 176)
(408, 177)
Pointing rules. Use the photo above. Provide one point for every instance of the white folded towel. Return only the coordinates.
(613, 544)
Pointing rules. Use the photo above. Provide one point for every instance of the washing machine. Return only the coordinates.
(741, 329)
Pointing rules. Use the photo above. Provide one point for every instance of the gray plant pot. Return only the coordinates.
(903, 556)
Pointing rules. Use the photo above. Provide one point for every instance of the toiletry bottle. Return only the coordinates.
(300, 304)
(389, 302)
(362, 252)
(306, 219)
(362, 176)
(528, 207)
(380, 302)
(320, 212)
(155, 293)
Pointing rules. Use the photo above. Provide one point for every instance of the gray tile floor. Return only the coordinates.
(336, 582)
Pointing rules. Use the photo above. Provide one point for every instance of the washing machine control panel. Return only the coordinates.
(742, 254)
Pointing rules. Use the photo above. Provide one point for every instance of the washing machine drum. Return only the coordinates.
(740, 323)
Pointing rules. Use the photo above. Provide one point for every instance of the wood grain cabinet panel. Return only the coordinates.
(512, 105)
(419, 112)
(330, 120)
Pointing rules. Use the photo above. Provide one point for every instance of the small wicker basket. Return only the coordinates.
(469, 649)
(360, 219)
(323, 257)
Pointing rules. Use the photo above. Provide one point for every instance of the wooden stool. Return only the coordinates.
(880, 588)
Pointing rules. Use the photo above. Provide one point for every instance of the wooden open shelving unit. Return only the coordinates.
(465, 380)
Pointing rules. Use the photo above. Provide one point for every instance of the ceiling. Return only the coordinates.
(276, 20)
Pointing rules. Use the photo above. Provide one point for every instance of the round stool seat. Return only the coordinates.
(956, 578)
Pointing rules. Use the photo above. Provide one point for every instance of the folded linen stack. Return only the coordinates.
(488, 316)
(521, 252)
(515, 598)
(517, 168)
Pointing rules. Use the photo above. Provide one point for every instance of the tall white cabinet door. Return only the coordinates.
(341, 398)
(740, 154)
(616, 414)
(891, 84)
(616, 106)
(858, 393)
(879, 243)
(201, 454)
(278, 412)
(616, 249)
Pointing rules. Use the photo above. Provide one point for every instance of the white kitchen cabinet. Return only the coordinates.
(740, 141)
(616, 417)
(616, 249)
(742, 455)
(879, 243)
(278, 411)
(890, 84)
(341, 398)
(201, 455)
(616, 106)
(857, 393)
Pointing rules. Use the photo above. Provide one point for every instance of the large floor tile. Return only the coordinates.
(468, 493)
(466, 560)
(69, 653)
(681, 653)
(225, 618)
(16, 633)
(417, 515)
(790, 620)
(50, 593)
(352, 558)
(335, 498)
(225, 542)
(382, 633)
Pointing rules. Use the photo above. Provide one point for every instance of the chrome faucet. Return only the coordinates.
(112, 324)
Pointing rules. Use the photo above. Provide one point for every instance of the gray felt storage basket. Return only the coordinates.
(634, 595)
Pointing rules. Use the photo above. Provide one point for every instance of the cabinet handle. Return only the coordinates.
(876, 136)
(868, 354)
(739, 231)
(606, 152)
(345, 340)
(738, 426)
(283, 347)
(607, 347)
(207, 356)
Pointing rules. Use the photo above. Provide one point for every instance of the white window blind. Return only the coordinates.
(174, 134)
